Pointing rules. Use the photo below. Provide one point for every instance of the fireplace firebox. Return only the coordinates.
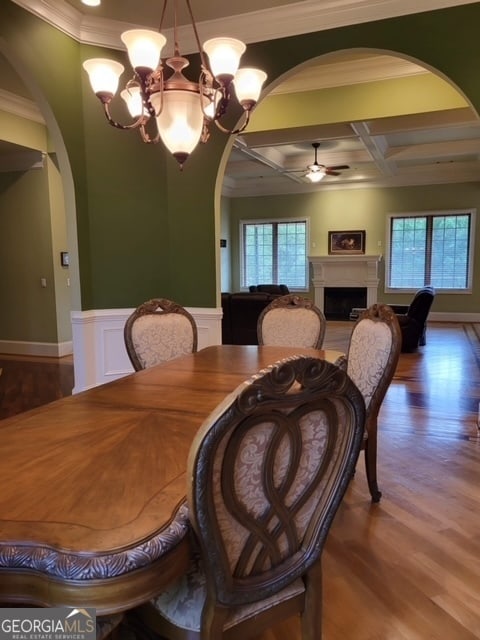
(339, 301)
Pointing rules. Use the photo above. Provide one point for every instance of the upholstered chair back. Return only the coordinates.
(370, 352)
(159, 330)
(372, 358)
(291, 320)
(267, 472)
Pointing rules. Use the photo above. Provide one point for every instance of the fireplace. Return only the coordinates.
(346, 275)
(339, 301)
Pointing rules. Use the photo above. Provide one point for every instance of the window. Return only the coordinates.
(433, 248)
(274, 252)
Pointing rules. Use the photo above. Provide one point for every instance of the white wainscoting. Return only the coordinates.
(99, 353)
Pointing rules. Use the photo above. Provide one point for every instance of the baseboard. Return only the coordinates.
(445, 316)
(45, 349)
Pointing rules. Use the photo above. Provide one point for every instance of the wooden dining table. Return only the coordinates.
(92, 501)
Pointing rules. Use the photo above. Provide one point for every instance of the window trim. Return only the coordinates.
(436, 212)
(285, 220)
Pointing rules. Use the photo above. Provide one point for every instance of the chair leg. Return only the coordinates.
(371, 467)
(312, 615)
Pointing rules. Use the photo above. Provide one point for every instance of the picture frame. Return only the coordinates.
(346, 242)
(64, 258)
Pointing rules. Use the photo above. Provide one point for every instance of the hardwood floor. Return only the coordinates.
(407, 568)
(27, 382)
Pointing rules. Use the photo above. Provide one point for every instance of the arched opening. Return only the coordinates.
(38, 240)
(392, 120)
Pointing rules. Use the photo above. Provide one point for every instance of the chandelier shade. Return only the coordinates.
(133, 99)
(144, 48)
(179, 122)
(248, 85)
(224, 55)
(159, 94)
(104, 75)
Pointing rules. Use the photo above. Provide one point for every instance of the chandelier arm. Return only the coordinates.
(141, 120)
(146, 136)
(234, 131)
(203, 59)
(205, 137)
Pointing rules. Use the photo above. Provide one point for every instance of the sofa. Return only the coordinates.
(241, 311)
(276, 289)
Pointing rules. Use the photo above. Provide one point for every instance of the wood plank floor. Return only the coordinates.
(27, 382)
(407, 568)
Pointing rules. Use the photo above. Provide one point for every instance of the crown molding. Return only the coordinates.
(265, 24)
(22, 107)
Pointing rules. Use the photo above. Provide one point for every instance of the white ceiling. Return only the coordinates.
(417, 148)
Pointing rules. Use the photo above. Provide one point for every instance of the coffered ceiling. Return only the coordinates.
(420, 144)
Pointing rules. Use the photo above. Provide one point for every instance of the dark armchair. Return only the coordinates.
(413, 318)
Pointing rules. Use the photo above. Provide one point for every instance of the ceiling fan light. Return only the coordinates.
(315, 175)
(144, 47)
(224, 55)
(103, 75)
(248, 85)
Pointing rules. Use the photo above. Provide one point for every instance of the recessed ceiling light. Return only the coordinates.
(91, 3)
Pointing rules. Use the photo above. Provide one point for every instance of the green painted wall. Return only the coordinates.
(146, 229)
(25, 258)
(361, 209)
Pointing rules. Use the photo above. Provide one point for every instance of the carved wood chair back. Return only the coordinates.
(292, 321)
(159, 330)
(268, 470)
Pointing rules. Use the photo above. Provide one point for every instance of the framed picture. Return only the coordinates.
(64, 258)
(346, 242)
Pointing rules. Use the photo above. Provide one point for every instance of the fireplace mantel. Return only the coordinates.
(345, 271)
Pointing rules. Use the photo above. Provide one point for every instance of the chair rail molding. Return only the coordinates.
(345, 271)
(99, 353)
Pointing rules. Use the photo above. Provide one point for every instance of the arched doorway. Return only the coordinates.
(390, 119)
(39, 289)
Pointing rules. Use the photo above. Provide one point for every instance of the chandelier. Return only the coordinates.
(159, 93)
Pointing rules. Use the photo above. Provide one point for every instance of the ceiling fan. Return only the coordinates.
(317, 172)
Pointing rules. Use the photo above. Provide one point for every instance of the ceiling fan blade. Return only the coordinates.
(329, 172)
(339, 167)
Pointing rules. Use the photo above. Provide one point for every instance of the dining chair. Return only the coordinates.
(293, 321)
(267, 472)
(159, 330)
(371, 360)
